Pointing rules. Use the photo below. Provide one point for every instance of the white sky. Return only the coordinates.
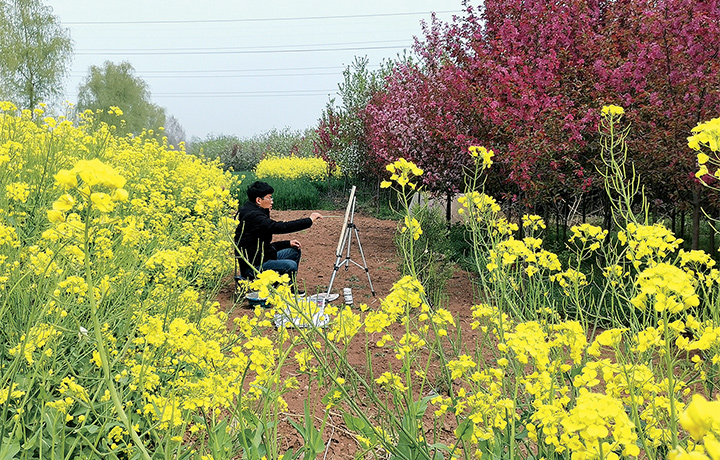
(240, 67)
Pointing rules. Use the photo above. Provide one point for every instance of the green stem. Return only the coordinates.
(671, 382)
(117, 403)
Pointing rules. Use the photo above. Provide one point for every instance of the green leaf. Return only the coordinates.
(439, 446)
(9, 449)
(92, 429)
(32, 442)
(464, 430)
(291, 454)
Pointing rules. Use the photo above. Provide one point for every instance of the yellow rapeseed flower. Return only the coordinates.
(612, 111)
(293, 167)
(403, 172)
(701, 417)
(481, 154)
(391, 381)
(413, 225)
(459, 366)
(667, 287)
(706, 134)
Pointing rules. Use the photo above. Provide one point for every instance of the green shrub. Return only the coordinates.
(294, 194)
(288, 194)
(244, 154)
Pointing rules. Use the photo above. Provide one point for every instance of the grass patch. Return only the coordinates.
(327, 194)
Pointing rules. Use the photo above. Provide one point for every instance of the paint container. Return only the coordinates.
(347, 294)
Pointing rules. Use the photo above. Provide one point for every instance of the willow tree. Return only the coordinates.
(35, 53)
(117, 85)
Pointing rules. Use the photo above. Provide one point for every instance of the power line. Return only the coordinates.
(243, 95)
(240, 48)
(238, 71)
(233, 95)
(215, 21)
(265, 75)
(294, 93)
(192, 73)
(229, 51)
(275, 69)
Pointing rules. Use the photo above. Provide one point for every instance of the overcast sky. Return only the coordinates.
(241, 67)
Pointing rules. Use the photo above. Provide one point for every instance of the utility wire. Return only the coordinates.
(275, 69)
(214, 21)
(233, 73)
(239, 51)
(246, 94)
(235, 95)
(240, 48)
(295, 93)
(155, 77)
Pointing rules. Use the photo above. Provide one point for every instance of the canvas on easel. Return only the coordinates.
(345, 242)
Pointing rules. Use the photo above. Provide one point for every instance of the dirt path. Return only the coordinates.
(319, 244)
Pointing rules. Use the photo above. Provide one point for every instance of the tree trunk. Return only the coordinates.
(682, 224)
(696, 217)
(557, 223)
(672, 220)
(448, 209)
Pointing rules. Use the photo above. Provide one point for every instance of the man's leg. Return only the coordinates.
(293, 254)
(287, 262)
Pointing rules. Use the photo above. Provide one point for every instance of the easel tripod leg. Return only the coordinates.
(362, 254)
(338, 264)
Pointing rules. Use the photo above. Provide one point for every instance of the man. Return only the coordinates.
(254, 234)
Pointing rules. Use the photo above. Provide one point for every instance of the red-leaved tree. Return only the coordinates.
(528, 78)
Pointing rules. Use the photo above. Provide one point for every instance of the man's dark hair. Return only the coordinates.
(259, 189)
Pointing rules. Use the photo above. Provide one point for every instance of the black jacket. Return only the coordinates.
(254, 234)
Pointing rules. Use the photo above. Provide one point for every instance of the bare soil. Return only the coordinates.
(319, 244)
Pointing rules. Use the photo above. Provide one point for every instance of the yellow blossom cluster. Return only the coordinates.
(293, 167)
(412, 226)
(10, 392)
(35, 340)
(706, 134)
(588, 235)
(347, 323)
(133, 231)
(477, 204)
(667, 288)
(406, 294)
(569, 279)
(482, 155)
(706, 141)
(701, 418)
(533, 223)
(611, 111)
(648, 244)
(402, 172)
(527, 254)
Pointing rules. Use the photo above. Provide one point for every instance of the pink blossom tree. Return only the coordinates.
(668, 80)
(528, 77)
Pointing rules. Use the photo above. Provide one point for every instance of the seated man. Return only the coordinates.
(254, 234)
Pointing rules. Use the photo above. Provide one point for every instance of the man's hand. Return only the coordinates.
(315, 216)
(295, 244)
